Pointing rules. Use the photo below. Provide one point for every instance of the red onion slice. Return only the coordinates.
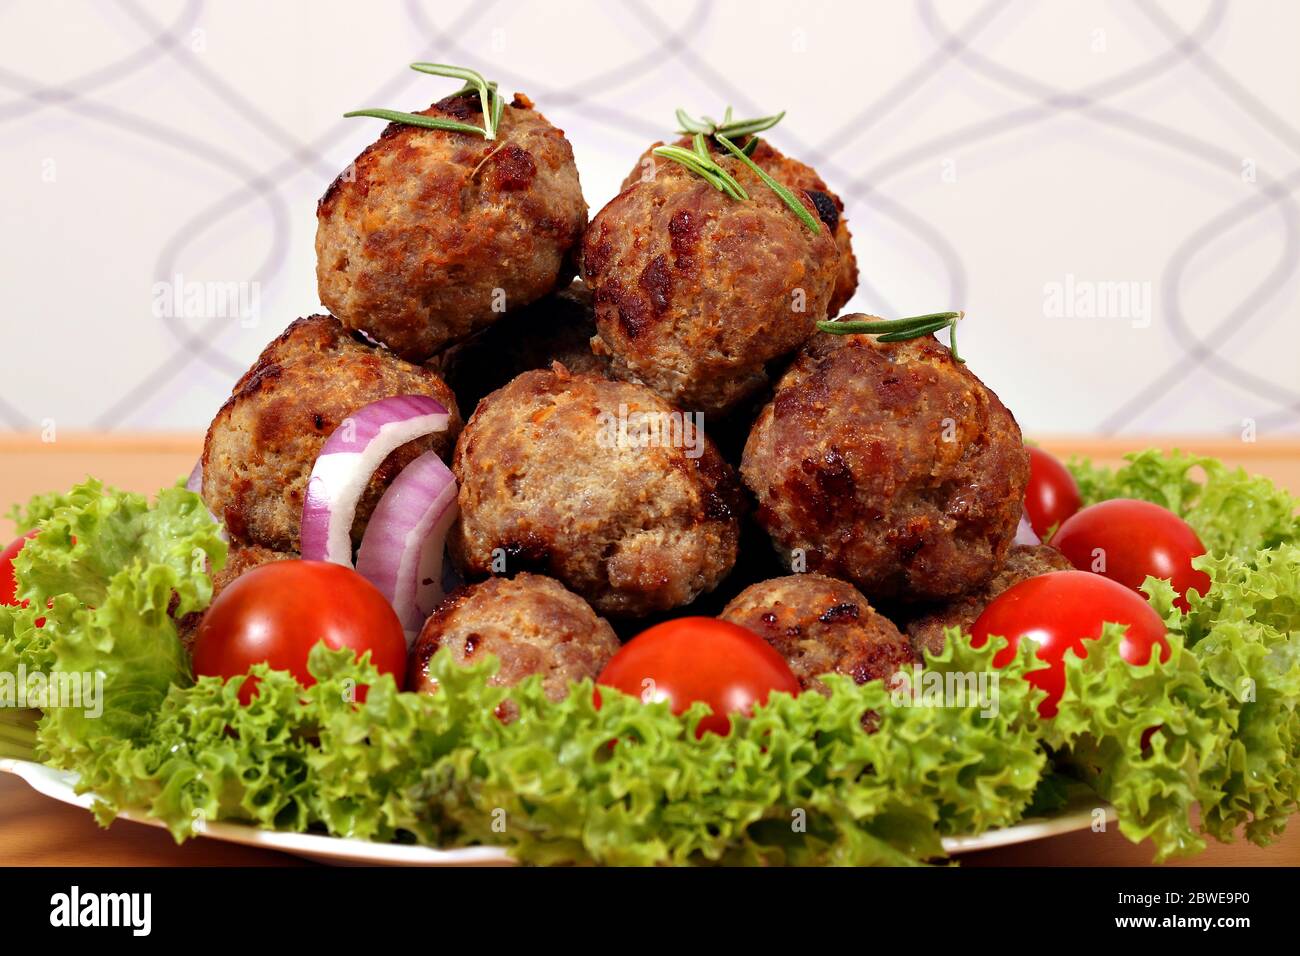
(403, 547)
(348, 459)
(1025, 531)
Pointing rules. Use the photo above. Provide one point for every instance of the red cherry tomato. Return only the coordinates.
(8, 582)
(278, 612)
(1060, 611)
(1126, 539)
(727, 666)
(1051, 495)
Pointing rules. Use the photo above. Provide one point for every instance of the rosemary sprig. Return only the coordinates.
(899, 330)
(701, 162)
(704, 166)
(731, 128)
(490, 101)
(807, 218)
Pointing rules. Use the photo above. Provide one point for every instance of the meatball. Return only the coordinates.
(532, 625)
(263, 442)
(820, 626)
(432, 234)
(557, 328)
(796, 176)
(889, 465)
(238, 562)
(635, 519)
(696, 293)
(1023, 562)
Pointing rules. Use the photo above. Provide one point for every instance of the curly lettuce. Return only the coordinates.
(111, 570)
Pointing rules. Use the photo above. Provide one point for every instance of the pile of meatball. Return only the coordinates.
(847, 500)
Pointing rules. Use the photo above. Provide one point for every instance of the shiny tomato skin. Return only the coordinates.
(8, 581)
(277, 612)
(1051, 495)
(1060, 611)
(727, 666)
(1136, 538)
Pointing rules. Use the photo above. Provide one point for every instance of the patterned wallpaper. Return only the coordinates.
(1107, 189)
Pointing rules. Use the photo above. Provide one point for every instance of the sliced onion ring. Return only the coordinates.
(402, 550)
(1025, 531)
(348, 459)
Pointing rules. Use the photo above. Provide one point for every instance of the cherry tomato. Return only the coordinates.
(1051, 495)
(1126, 539)
(727, 666)
(8, 582)
(278, 612)
(1061, 610)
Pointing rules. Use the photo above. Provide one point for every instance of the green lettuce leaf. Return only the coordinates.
(111, 571)
(1246, 633)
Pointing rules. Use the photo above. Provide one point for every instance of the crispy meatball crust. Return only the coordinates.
(889, 465)
(796, 176)
(263, 442)
(530, 622)
(557, 328)
(632, 528)
(695, 292)
(1023, 562)
(413, 242)
(821, 625)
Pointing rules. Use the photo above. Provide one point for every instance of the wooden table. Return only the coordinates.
(37, 831)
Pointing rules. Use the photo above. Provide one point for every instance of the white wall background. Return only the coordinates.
(984, 150)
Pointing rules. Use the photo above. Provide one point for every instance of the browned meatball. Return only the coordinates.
(532, 625)
(696, 292)
(820, 626)
(889, 465)
(238, 562)
(261, 446)
(796, 176)
(430, 234)
(557, 328)
(1023, 562)
(548, 482)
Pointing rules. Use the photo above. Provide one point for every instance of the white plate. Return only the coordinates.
(59, 785)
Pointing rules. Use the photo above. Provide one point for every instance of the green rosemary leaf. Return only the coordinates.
(807, 218)
(689, 124)
(472, 78)
(416, 119)
(746, 127)
(899, 330)
(498, 107)
(915, 332)
(881, 326)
